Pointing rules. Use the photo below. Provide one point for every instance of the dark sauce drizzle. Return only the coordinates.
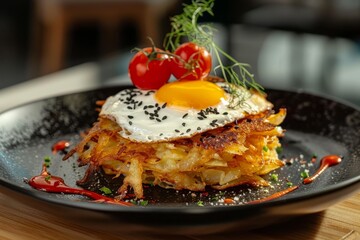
(327, 161)
(275, 195)
(53, 184)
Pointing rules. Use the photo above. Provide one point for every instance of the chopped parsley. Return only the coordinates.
(265, 148)
(140, 202)
(144, 202)
(47, 161)
(279, 150)
(105, 190)
(200, 203)
(305, 174)
(274, 177)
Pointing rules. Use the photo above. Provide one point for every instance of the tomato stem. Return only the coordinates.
(186, 25)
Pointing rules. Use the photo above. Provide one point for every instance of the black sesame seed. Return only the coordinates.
(200, 118)
(185, 115)
(130, 122)
(198, 128)
(146, 112)
(140, 103)
(158, 119)
(225, 113)
(176, 130)
(183, 124)
(130, 108)
(164, 105)
(188, 130)
(131, 117)
(145, 107)
(164, 117)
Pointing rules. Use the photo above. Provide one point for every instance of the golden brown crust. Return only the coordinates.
(224, 157)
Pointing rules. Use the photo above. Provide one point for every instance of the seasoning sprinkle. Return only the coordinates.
(185, 115)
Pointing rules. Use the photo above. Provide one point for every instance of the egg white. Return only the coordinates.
(143, 119)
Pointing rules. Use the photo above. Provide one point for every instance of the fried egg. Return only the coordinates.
(180, 109)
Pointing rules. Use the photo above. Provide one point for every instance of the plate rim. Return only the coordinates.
(88, 205)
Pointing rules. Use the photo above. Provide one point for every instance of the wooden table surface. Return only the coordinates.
(21, 222)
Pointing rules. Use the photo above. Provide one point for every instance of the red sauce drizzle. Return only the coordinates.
(275, 195)
(48, 183)
(60, 146)
(327, 161)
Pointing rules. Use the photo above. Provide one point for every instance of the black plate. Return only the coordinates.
(315, 125)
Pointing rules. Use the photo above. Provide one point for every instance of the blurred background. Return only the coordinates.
(290, 44)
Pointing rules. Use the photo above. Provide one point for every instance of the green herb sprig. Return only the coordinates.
(185, 25)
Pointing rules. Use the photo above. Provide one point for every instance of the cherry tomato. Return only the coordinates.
(196, 64)
(149, 70)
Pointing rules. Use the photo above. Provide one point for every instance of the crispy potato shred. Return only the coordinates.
(236, 154)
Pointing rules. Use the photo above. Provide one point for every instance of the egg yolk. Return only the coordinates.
(197, 94)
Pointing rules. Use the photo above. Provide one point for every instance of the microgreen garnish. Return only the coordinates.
(186, 25)
(47, 178)
(105, 190)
